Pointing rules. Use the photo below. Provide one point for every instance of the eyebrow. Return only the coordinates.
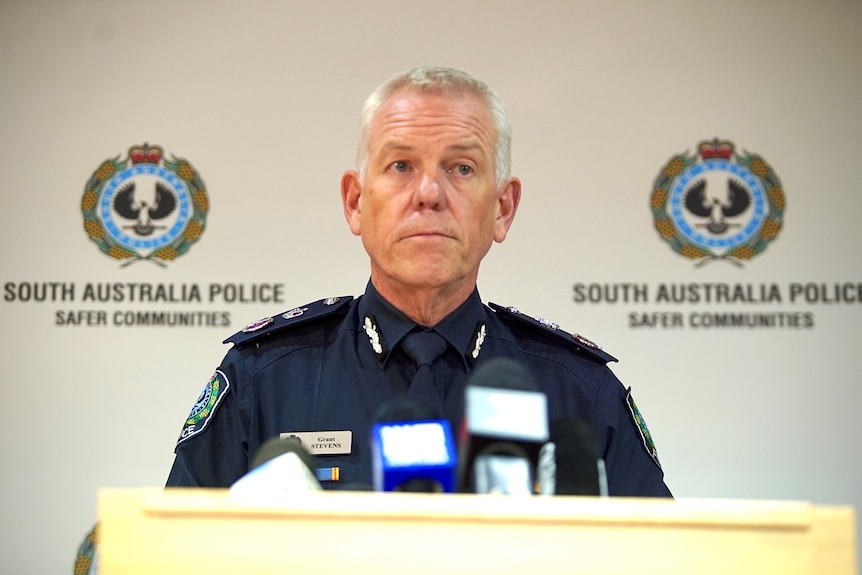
(466, 147)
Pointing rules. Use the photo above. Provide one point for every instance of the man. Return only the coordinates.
(431, 193)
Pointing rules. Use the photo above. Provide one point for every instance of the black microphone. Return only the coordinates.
(505, 425)
(411, 449)
(279, 465)
(574, 459)
(402, 408)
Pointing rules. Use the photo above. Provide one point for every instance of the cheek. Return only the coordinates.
(481, 217)
(377, 205)
(376, 223)
(368, 212)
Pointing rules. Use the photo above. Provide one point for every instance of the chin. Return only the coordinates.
(428, 276)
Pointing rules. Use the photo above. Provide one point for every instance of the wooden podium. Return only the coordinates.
(200, 531)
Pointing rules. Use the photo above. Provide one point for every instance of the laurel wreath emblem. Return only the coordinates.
(86, 555)
(98, 233)
(206, 402)
(667, 229)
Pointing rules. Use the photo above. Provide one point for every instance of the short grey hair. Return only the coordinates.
(446, 81)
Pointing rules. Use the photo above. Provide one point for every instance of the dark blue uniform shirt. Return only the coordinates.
(328, 366)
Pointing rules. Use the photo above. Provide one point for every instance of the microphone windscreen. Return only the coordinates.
(503, 373)
(505, 425)
(411, 449)
(577, 455)
(289, 467)
(277, 446)
(402, 408)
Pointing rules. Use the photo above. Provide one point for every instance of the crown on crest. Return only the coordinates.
(145, 154)
(715, 148)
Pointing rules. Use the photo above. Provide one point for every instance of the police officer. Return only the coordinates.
(431, 193)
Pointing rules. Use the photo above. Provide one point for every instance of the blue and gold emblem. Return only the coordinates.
(718, 204)
(202, 412)
(145, 207)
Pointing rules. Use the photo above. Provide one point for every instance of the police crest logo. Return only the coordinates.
(717, 204)
(145, 207)
(205, 405)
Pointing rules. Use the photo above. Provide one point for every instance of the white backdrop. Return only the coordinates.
(263, 98)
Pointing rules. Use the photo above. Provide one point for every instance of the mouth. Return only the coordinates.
(427, 231)
(427, 235)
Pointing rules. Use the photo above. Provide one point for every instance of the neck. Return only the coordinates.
(427, 306)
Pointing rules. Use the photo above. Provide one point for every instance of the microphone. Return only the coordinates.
(279, 465)
(505, 425)
(573, 457)
(411, 450)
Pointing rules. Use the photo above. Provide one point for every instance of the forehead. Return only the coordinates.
(457, 119)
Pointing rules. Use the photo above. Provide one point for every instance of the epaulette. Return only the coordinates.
(293, 317)
(553, 330)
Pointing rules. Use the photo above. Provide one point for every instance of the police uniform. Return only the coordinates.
(324, 369)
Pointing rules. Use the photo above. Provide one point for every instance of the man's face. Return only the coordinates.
(429, 207)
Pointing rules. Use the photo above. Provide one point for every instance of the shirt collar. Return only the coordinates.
(390, 325)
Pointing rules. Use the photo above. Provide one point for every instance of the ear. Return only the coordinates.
(351, 190)
(507, 207)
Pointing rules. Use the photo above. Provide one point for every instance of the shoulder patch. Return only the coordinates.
(292, 317)
(210, 398)
(643, 430)
(553, 330)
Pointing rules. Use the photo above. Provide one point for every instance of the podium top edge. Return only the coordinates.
(767, 514)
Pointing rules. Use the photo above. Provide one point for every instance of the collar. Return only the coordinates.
(386, 326)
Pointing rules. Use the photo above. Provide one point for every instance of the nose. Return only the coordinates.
(429, 192)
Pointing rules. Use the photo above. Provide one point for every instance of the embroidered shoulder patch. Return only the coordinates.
(553, 330)
(204, 408)
(299, 315)
(643, 430)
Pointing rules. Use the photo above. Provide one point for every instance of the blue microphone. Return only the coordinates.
(411, 451)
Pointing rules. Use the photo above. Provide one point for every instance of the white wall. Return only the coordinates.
(263, 98)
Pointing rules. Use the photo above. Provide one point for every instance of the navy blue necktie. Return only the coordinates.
(425, 347)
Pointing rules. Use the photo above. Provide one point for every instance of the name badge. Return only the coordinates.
(323, 442)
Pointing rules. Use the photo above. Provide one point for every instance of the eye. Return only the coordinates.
(399, 166)
(464, 169)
